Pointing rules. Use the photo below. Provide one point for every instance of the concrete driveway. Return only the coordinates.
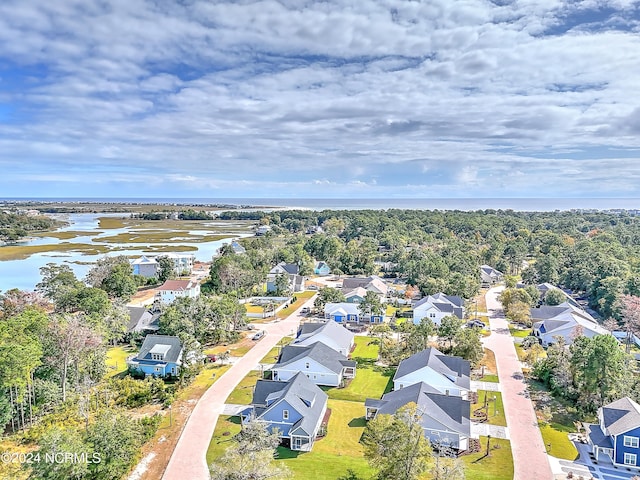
(188, 460)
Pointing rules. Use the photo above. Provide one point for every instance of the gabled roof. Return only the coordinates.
(450, 366)
(442, 301)
(169, 344)
(299, 392)
(144, 260)
(372, 282)
(343, 308)
(330, 333)
(320, 265)
(565, 315)
(360, 292)
(176, 285)
(319, 352)
(490, 271)
(451, 411)
(290, 268)
(141, 319)
(237, 248)
(621, 416)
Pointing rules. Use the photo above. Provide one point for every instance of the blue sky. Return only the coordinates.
(339, 98)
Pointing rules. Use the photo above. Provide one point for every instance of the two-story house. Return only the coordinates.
(320, 363)
(172, 289)
(159, 356)
(617, 433)
(291, 271)
(436, 307)
(448, 374)
(295, 409)
(330, 333)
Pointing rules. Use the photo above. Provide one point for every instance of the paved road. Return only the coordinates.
(529, 454)
(188, 460)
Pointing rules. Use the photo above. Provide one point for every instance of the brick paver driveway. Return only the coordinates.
(189, 457)
(530, 459)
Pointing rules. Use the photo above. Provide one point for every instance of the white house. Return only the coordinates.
(145, 266)
(438, 306)
(490, 276)
(447, 374)
(330, 333)
(172, 289)
(291, 271)
(320, 363)
(372, 283)
(564, 320)
(182, 262)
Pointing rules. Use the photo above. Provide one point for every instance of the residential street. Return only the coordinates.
(529, 454)
(189, 457)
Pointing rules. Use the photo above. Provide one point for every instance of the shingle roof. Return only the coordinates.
(336, 336)
(343, 307)
(621, 416)
(451, 411)
(447, 365)
(150, 341)
(176, 285)
(319, 352)
(444, 303)
(299, 392)
(141, 319)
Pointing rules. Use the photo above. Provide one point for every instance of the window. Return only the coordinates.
(432, 315)
(306, 365)
(631, 442)
(285, 414)
(630, 458)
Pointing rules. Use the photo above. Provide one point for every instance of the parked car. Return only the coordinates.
(250, 327)
(305, 310)
(211, 357)
(476, 323)
(312, 287)
(258, 335)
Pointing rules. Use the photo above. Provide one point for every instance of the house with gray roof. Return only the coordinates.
(372, 283)
(145, 266)
(436, 307)
(320, 363)
(490, 276)
(330, 333)
(141, 320)
(445, 419)
(295, 408)
(617, 433)
(565, 320)
(291, 271)
(448, 374)
(159, 356)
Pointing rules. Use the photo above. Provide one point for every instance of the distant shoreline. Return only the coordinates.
(115, 205)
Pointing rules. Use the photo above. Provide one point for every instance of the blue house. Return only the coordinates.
(294, 408)
(342, 312)
(617, 433)
(322, 269)
(159, 356)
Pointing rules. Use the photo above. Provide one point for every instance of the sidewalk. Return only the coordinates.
(530, 460)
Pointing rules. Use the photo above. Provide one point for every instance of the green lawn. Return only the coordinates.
(370, 382)
(556, 440)
(117, 359)
(301, 297)
(366, 348)
(338, 451)
(499, 466)
(274, 353)
(495, 409)
(516, 332)
(489, 378)
(243, 393)
(226, 428)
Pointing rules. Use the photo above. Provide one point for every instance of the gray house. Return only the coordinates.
(445, 419)
(291, 270)
(320, 363)
(142, 320)
(295, 409)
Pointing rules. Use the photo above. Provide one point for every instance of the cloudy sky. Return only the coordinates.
(332, 98)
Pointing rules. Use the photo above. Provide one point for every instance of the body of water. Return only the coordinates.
(25, 273)
(465, 204)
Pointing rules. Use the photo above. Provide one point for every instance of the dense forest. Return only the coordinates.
(15, 226)
(595, 254)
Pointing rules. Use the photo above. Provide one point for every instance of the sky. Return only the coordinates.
(320, 99)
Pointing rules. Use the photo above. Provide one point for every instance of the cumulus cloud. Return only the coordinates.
(267, 98)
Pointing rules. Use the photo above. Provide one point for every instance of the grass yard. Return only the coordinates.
(366, 348)
(370, 382)
(254, 308)
(556, 440)
(243, 393)
(207, 377)
(274, 353)
(226, 428)
(301, 297)
(340, 450)
(489, 378)
(495, 409)
(117, 359)
(519, 333)
(499, 466)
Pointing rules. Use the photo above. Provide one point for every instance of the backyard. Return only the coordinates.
(497, 466)
(494, 407)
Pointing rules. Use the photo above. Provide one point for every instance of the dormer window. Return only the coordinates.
(157, 356)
